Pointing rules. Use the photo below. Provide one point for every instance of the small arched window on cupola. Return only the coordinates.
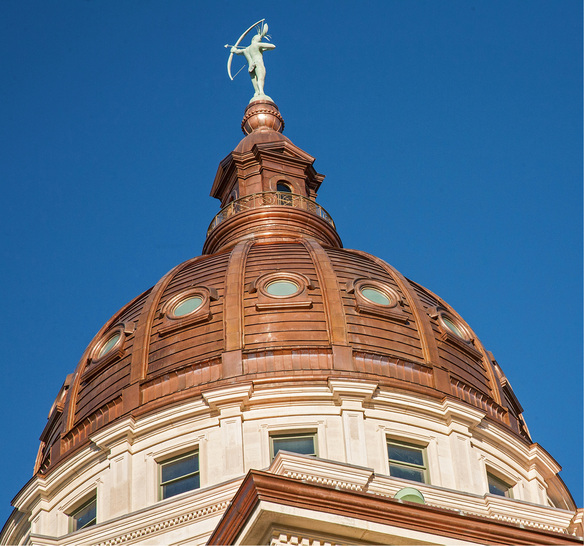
(233, 196)
(284, 190)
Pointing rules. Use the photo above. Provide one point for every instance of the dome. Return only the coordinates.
(280, 365)
(349, 314)
(339, 313)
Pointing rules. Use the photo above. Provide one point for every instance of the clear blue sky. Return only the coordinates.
(450, 133)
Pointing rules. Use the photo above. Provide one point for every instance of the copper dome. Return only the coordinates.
(346, 313)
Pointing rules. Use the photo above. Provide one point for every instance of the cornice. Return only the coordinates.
(149, 522)
(543, 462)
(262, 488)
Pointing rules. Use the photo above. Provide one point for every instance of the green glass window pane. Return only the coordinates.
(407, 473)
(376, 296)
(405, 454)
(187, 306)
(303, 445)
(452, 327)
(282, 288)
(181, 467)
(180, 486)
(86, 515)
(109, 344)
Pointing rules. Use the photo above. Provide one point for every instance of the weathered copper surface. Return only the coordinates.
(241, 333)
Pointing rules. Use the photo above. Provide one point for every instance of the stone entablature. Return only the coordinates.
(272, 509)
(231, 429)
(365, 480)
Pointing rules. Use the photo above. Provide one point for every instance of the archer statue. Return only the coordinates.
(253, 54)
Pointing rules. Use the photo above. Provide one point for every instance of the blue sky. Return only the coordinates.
(450, 133)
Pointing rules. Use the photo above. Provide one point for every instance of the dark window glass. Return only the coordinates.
(285, 200)
(183, 485)
(405, 454)
(497, 486)
(296, 443)
(85, 516)
(179, 475)
(407, 473)
(407, 461)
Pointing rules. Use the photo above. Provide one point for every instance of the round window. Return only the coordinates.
(453, 327)
(281, 288)
(109, 345)
(187, 306)
(375, 296)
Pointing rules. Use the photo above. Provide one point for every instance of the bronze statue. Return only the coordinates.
(253, 53)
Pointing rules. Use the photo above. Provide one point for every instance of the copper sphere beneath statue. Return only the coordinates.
(262, 115)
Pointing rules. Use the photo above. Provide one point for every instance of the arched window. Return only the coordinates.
(282, 188)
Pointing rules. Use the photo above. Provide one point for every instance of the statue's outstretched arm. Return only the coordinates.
(264, 46)
(237, 51)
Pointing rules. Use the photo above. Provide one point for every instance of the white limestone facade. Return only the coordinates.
(230, 429)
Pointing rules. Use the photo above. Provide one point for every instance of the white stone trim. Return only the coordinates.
(354, 478)
(459, 443)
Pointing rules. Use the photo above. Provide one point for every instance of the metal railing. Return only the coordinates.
(269, 199)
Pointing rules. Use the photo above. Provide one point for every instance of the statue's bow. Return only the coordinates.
(237, 43)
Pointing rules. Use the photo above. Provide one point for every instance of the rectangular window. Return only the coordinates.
(499, 487)
(407, 461)
(179, 474)
(304, 443)
(84, 516)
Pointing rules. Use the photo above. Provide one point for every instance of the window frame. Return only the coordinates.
(508, 494)
(96, 363)
(72, 514)
(269, 302)
(172, 459)
(202, 313)
(284, 435)
(392, 310)
(421, 447)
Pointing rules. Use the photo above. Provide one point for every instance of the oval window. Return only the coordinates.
(281, 288)
(187, 306)
(109, 345)
(375, 296)
(454, 328)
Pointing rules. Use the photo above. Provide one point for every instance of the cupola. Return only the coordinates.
(267, 187)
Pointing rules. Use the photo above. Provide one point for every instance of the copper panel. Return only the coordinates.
(287, 359)
(282, 327)
(370, 333)
(109, 382)
(196, 341)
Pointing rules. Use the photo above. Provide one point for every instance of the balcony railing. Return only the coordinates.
(269, 199)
